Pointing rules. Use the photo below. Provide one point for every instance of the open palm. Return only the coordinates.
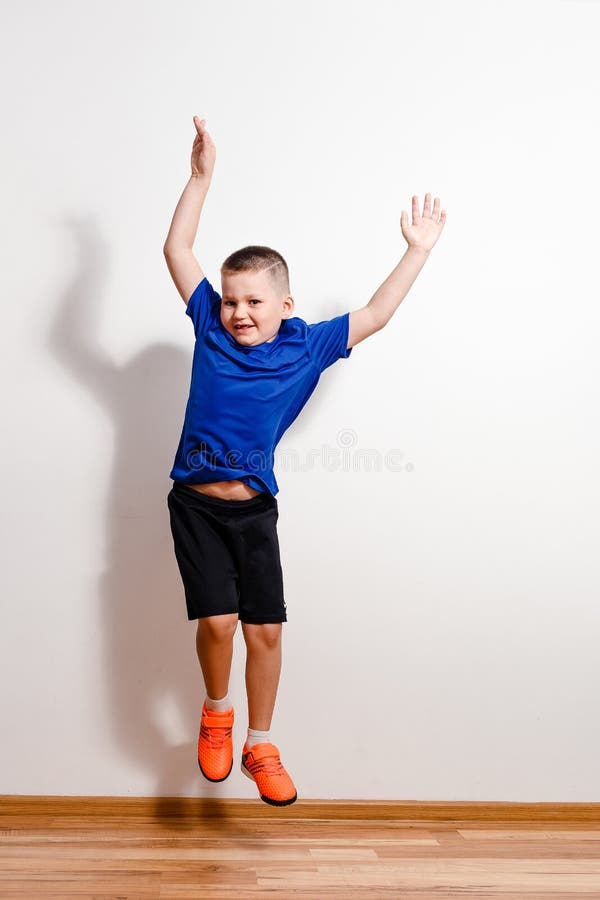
(425, 229)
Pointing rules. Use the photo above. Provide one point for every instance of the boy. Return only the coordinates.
(255, 366)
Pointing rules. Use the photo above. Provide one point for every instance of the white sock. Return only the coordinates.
(221, 705)
(257, 737)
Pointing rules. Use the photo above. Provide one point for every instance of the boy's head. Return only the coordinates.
(255, 291)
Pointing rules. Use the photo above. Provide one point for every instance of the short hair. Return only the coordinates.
(256, 258)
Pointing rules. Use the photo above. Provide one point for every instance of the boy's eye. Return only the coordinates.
(228, 302)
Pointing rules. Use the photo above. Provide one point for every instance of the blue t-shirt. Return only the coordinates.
(243, 398)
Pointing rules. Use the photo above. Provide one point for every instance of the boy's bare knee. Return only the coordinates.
(267, 635)
(218, 627)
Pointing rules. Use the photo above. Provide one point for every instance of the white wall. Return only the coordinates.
(443, 620)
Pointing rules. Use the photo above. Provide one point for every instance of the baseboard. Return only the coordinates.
(427, 811)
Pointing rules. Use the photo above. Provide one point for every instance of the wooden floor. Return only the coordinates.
(244, 850)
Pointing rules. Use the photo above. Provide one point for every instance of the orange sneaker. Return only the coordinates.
(261, 763)
(215, 747)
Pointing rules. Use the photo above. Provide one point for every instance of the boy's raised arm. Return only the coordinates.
(178, 247)
(421, 237)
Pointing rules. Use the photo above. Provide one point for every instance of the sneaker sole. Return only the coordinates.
(269, 799)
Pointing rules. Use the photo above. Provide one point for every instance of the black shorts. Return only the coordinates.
(228, 555)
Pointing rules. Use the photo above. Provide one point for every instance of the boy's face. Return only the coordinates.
(251, 299)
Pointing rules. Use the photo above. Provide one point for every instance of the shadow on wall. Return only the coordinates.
(154, 686)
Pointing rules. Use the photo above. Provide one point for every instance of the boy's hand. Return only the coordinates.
(203, 151)
(425, 229)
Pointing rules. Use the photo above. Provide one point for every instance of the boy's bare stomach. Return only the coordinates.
(226, 490)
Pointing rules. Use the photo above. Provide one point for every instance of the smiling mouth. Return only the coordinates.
(243, 327)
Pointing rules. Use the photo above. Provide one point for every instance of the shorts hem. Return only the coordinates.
(219, 612)
(263, 621)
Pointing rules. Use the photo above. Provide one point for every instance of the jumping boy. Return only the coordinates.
(254, 367)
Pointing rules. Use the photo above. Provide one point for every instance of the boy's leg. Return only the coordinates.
(261, 761)
(263, 667)
(214, 645)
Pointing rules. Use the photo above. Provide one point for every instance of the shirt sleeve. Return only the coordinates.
(328, 340)
(204, 307)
